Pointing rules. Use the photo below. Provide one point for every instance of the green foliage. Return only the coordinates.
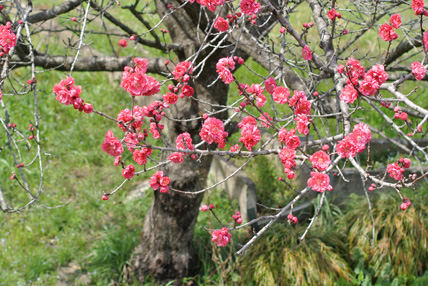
(281, 260)
(401, 237)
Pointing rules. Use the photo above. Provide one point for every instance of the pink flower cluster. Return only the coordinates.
(386, 32)
(250, 134)
(159, 181)
(370, 84)
(319, 182)
(221, 236)
(140, 156)
(249, 7)
(418, 70)
(183, 142)
(213, 132)
(320, 160)
(418, 7)
(126, 117)
(224, 67)
(332, 14)
(221, 24)
(155, 129)
(68, 93)
(128, 172)
(373, 80)
(289, 138)
(257, 91)
(307, 53)
(112, 145)
(302, 122)
(301, 103)
(280, 94)
(135, 80)
(287, 156)
(396, 170)
(355, 142)
(182, 69)
(270, 86)
(7, 38)
(211, 4)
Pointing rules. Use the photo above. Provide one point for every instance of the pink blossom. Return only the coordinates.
(365, 130)
(418, 6)
(281, 94)
(226, 62)
(225, 75)
(296, 97)
(302, 122)
(418, 70)
(7, 37)
(250, 136)
(152, 86)
(221, 236)
(247, 120)
(134, 83)
(395, 21)
(407, 162)
(211, 4)
(378, 73)
(141, 65)
(159, 181)
(332, 14)
(307, 53)
(270, 85)
(131, 141)
(320, 160)
(181, 69)
(154, 180)
(369, 86)
(349, 94)
(303, 106)
(395, 171)
(176, 157)
(355, 68)
(292, 140)
(221, 24)
(125, 116)
(170, 98)
(319, 182)
(249, 7)
(128, 172)
(204, 208)
(117, 160)
(346, 148)
(257, 91)
(387, 33)
(187, 91)
(213, 131)
(287, 156)
(184, 141)
(154, 129)
(123, 43)
(265, 120)
(66, 92)
(140, 156)
(112, 145)
(282, 135)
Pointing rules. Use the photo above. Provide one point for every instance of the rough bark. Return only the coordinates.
(166, 250)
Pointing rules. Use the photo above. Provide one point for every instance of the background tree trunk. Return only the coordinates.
(166, 250)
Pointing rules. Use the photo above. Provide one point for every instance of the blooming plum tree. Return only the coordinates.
(322, 83)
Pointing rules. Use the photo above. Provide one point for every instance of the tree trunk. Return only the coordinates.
(166, 250)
